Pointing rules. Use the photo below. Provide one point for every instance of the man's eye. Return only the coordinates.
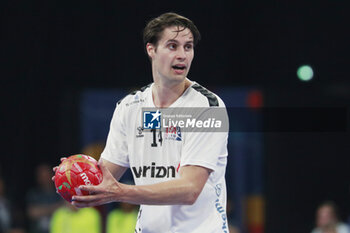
(172, 46)
(188, 47)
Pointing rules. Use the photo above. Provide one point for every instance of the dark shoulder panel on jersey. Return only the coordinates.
(142, 89)
(213, 101)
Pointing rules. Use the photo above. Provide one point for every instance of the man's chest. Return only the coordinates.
(155, 154)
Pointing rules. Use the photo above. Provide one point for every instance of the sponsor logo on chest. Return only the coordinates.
(173, 133)
(154, 171)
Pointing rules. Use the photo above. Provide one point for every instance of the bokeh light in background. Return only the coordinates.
(305, 73)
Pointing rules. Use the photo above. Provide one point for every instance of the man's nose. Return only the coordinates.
(181, 54)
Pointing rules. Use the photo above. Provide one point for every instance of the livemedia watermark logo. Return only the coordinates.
(187, 119)
(268, 119)
(152, 119)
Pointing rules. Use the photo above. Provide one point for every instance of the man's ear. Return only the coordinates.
(151, 49)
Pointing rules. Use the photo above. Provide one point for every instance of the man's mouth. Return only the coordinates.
(179, 67)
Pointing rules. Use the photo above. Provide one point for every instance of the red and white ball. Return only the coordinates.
(76, 170)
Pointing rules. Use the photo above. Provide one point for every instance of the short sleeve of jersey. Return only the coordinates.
(116, 150)
(204, 148)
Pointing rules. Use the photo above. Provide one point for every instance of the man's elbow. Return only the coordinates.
(192, 196)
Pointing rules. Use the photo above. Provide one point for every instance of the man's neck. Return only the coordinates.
(166, 95)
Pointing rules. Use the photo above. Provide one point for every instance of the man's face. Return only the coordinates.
(173, 55)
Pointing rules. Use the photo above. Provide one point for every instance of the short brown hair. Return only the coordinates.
(155, 27)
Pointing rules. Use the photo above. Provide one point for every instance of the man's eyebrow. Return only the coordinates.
(176, 41)
(172, 41)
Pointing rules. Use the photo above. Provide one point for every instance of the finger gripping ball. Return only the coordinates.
(76, 170)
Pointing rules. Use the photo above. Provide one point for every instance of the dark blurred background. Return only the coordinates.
(51, 51)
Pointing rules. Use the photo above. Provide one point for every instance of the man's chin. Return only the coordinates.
(178, 78)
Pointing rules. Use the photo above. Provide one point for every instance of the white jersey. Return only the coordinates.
(157, 157)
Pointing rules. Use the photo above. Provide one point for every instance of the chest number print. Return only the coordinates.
(160, 139)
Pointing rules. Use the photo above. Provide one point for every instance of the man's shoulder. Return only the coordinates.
(135, 98)
(203, 97)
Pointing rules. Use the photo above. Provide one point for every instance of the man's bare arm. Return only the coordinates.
(183, 190)
(116, 170)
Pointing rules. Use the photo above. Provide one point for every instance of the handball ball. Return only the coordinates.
(76, 170)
